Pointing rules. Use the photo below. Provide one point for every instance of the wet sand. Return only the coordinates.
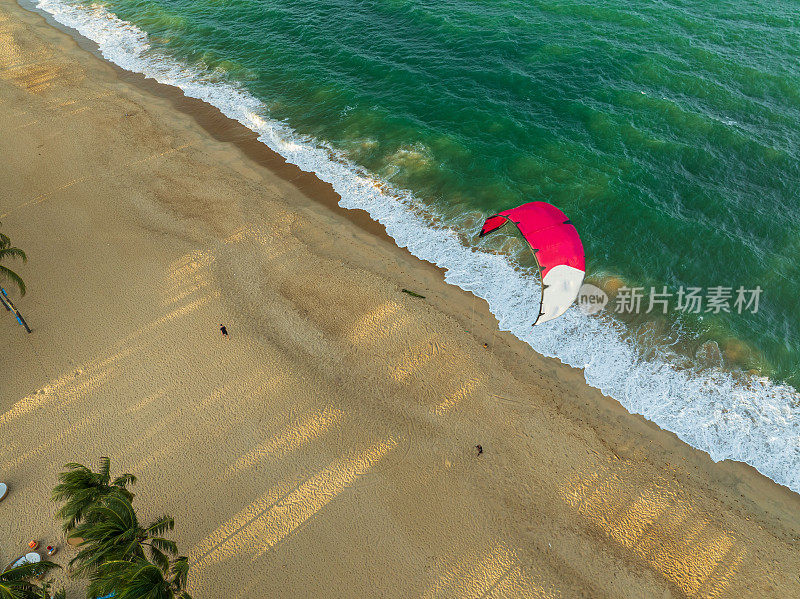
(327, 448)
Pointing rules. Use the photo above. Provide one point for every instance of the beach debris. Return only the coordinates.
(557, 249)
(479, 448)
(412, 294)
(10, 307)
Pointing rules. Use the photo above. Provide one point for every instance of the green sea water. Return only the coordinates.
(668, 131)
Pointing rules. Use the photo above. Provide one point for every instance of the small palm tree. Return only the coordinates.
(6, 251)
(111, 531)
(15, 583)
(80, 489)
(139, 579)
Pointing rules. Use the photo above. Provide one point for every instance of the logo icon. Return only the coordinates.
(591, 299)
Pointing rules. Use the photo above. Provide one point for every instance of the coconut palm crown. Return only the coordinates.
(140, 579)
(80, 489)
(111, 531)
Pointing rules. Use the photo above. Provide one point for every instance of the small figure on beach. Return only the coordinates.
(479, 448)
(224, 330)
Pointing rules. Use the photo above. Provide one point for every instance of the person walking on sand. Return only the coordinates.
(224, 330)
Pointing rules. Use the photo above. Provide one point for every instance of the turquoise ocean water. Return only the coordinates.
(669, 132)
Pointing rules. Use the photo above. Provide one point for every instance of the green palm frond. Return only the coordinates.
(26, 571)
(75, 479)
(130, 580)
(164, 545)
(80, 488)
(124, 480)
(116, 512)
(160, 526)
(180, 572)
(159, 559)
(111, 531)
(110, 577)
(115, 547)
(138, 578)
(11, 253)
(15, 583)
(105, 469)
(94, 553)
(20, 590)
(7, 273)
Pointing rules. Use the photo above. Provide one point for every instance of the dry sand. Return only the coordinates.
(327, 448)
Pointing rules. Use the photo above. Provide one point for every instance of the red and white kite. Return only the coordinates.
(557, 248)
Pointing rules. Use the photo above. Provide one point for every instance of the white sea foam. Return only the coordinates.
(753, 420)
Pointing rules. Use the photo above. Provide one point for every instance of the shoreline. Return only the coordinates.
(557, 392)
(225, 129)
(758, 427)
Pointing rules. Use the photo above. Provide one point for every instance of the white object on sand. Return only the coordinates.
(3, 490)
(28, 558)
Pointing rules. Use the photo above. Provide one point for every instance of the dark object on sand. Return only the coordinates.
(479, 448)
(4, 299)
(224, 330)
(412, 294)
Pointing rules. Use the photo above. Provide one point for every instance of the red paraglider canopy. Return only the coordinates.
(556, 247)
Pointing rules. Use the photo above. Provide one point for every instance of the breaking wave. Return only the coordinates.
(730, 416)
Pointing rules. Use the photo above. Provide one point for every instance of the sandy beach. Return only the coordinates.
(328, 447)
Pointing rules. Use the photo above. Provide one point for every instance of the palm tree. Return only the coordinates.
(81, 488)
(16, 582)
(111, 531)
(139, 579)
(6, 251)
